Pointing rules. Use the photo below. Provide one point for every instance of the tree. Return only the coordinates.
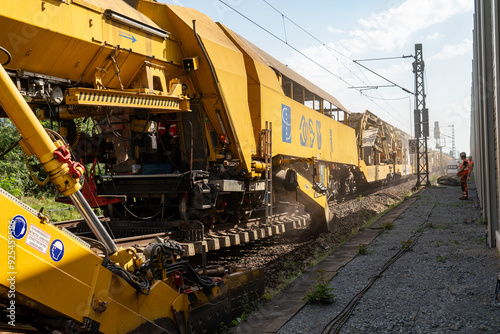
(14, 174)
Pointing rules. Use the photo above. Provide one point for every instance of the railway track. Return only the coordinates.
(196, 241)
(287, 254)
(372, 188)
(264, 244)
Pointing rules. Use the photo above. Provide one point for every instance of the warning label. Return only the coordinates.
(38, 239)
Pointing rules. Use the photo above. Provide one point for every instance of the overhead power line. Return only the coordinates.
(392, 82)
(331, 50)
(285, 41)
(385, 58)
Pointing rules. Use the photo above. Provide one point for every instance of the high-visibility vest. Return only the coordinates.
(465, 172)
(470, 164)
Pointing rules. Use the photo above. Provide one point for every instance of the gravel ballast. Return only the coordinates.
(443, 283)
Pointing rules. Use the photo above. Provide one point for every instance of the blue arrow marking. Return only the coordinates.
(128, 36)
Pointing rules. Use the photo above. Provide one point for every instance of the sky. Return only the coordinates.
(334, 33)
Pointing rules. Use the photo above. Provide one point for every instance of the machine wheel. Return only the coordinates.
(222, 217)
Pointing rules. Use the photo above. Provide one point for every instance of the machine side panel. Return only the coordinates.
(302, 132)
(229, 93)
(35, 271)
(84, 37)
(55, 274)
(297, 129)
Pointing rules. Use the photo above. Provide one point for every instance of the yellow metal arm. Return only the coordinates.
(52, 156)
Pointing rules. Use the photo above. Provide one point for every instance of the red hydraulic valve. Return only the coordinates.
(62, 154)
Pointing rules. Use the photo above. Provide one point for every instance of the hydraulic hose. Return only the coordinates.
(7, 53)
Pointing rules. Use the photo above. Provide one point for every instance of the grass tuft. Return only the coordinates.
(321, 292)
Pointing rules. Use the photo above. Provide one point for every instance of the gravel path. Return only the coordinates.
(443, 284)
(287, 254)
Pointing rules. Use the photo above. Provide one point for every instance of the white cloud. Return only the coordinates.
(334, 30)
(435, 35)
(391, 30)
(385, 30)
(394, 27)
(178, 3)
(451, 51)
(458, 114)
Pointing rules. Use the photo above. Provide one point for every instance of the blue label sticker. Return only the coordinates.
(318, 134)
(18, 227)
(307, 135)
(286, 124)
(56, 250)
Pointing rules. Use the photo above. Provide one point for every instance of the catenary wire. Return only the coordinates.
(331, 50)
(311, 59)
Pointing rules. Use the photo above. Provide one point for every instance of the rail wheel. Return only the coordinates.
(222, 217)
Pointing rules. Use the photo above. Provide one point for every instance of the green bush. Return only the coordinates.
(14, 175)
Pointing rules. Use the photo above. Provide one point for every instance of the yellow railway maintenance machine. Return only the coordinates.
(135, 67)
(129, 66)
(140, 70)
(53, 280)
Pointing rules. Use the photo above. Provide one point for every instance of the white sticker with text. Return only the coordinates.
(38, 239)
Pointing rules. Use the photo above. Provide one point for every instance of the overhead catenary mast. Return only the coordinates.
(421, 116)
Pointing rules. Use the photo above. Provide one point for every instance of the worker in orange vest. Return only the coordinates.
(471, 166)
(463, 172)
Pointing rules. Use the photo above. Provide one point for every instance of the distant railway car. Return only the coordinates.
(383, 149)
(184, 124)
(452, 168)
(438, 162)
